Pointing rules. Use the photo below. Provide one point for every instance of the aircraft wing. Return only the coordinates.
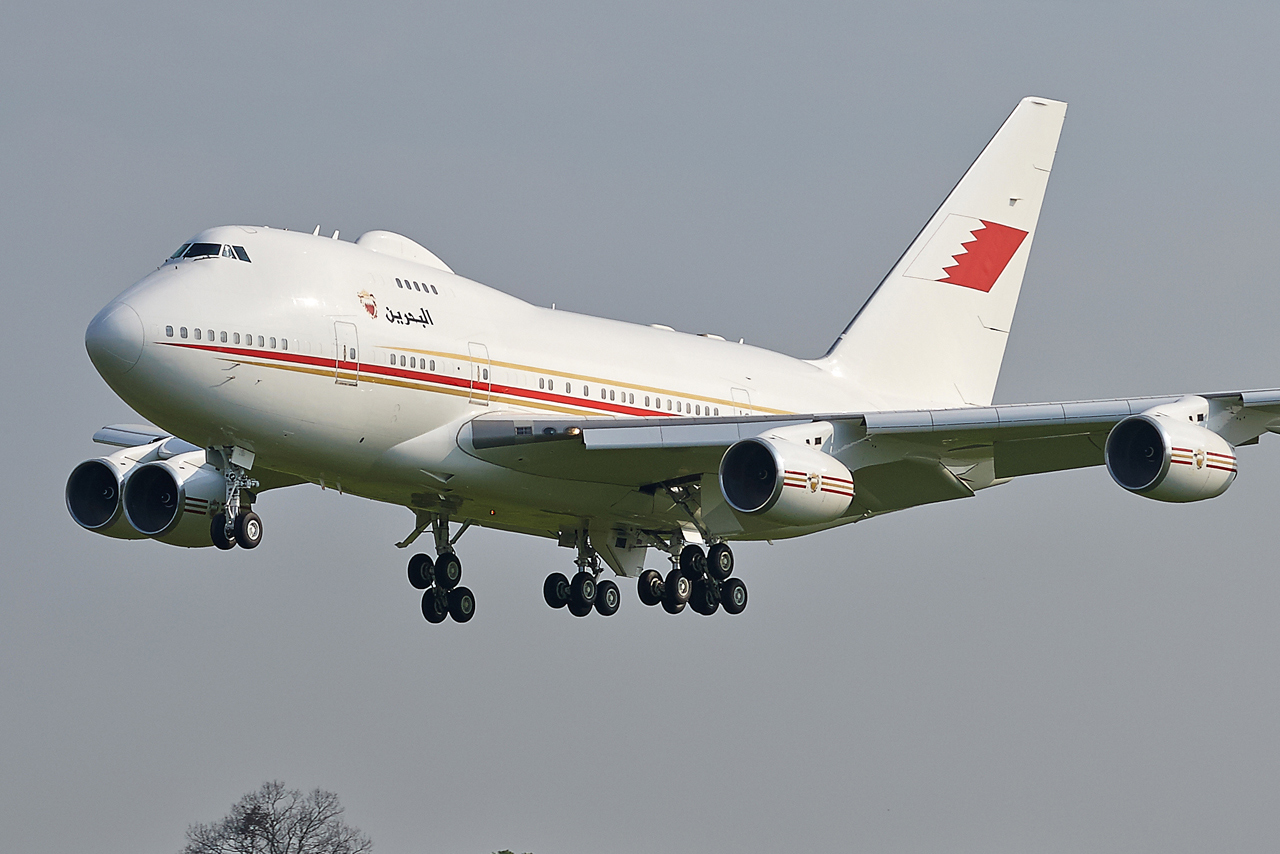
(137, 435)
(133, 435)
(920, 455)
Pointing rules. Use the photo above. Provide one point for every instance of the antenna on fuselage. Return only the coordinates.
(335, 234)
(316, 233)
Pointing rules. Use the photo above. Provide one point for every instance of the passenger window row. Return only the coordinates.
(422, 364)
(228, 338)
(629, 398)
(415, 286)
(549, 384)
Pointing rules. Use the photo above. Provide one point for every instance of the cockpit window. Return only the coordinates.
(209, 250)
(202, 250)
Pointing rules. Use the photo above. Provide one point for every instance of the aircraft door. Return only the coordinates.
(741, 401)
(346, 358)
(480, 383)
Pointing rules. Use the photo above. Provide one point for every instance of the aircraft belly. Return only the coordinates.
(432, 469)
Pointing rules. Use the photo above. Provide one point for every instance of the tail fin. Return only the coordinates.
(933, 333)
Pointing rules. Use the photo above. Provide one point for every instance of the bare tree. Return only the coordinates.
(276, 820)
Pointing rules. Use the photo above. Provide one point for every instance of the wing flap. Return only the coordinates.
(1016, 457)
(907, 483)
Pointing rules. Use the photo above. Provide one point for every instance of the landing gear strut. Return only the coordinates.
(438, 579)
(237, 525)
(698, 580)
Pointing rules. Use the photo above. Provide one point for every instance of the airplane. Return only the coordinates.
(268, 358)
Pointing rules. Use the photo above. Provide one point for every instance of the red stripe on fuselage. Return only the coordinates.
(427, 378)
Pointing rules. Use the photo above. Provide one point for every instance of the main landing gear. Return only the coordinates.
(699, 579)
(238, 525)
(586, 592)
(439, 579)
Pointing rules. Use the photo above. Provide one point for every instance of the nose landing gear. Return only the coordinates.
(238, 525)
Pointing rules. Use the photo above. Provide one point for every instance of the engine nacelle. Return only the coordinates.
(1165, 458)
(93, 495)
(786, 482)
(175, 500)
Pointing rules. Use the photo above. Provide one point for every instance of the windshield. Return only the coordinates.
(201, 250)
(210, 250)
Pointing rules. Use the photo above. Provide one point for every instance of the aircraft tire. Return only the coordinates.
(720, 561)
(733, 596)
(704, 599)
(555, 590)
(693, 561)
(583, 588)
(678, 588)
(608, 598)
(649, 586)
(218, 533)
(462, 604)
(420, 567)
(672, 607)
(579, 609)
(248, 528)
(434, 607)
(448, 571)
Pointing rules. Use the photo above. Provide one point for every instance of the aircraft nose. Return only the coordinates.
(114, 339)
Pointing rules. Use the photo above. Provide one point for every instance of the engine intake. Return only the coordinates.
(1167, 459)
(786, 482)
(93, 497)
(174, 500)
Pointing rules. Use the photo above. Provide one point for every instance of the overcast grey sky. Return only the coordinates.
(1055, 665)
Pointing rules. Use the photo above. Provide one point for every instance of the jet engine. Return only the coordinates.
(1165, 458)
(93, 495)
(785, 481)
(175, 500)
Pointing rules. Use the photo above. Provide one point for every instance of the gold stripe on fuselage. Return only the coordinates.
(587, 378)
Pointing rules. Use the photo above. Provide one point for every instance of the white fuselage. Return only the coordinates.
(355, 369)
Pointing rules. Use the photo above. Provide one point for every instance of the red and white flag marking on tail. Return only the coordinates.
(967, 251)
